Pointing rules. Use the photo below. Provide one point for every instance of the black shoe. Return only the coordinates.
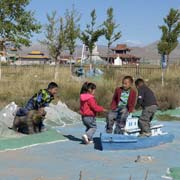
(108, 131)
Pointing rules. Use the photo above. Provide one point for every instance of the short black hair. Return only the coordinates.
(139, 81)
(129, 78)
(52, 85)
(86, 86)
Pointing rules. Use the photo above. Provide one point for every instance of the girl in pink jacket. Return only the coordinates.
(88, 110)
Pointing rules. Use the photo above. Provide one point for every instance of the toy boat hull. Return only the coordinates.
(126, 142)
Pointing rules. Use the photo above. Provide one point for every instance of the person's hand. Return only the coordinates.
(134, 110)
(105, 110)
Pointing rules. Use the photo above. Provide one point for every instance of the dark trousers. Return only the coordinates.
(120, 115)
(146, 117)
(90, 124)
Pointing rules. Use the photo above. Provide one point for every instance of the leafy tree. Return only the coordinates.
(17, 24)
(55, 38)
(170, 33)
(72, 30)
(91, 35)
(110, 27)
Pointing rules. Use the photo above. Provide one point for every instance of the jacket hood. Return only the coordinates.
(86, 96)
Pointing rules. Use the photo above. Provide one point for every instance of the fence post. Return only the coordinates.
(137, 70)
(162, 78)
(80, 175)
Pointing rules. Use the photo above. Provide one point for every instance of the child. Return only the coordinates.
(147, 101)
(39, 101)
(88, 110)
(123, 103)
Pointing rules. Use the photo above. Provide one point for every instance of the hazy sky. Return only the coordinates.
(138, 19)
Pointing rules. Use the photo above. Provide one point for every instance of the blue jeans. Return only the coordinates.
(121, 120)
(23, 111)
(90, 123)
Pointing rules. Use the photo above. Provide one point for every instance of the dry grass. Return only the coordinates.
(20, 83)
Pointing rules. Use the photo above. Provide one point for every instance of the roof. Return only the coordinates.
(36, 53)
(121, 47)
(34, 57)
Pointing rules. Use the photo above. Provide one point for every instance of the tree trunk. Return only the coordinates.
(2, 47)
(71, 57)
(108, 57)
(0, 70)
(167, 60)
(56, 68)
(90, 66)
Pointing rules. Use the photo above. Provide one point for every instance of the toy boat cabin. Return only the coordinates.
(132, 128)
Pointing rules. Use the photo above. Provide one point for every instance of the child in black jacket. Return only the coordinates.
(146, 99)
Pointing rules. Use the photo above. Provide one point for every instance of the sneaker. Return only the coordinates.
(85, 139)
(91, 142)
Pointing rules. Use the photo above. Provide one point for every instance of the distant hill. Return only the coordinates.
(34, 47)
(147, 53)
(150, 53)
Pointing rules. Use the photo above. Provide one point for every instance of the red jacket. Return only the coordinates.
(88, 105)
(131, 99)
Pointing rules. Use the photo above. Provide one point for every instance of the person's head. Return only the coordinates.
(139, 82)
(52, 88)
(127, 82)
(88, 87)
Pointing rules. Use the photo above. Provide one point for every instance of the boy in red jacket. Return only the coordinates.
(123, 103)
(88, 110)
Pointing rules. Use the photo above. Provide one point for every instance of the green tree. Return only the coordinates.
(17, 24)
(55, 38)
(91, 35)
(170, 33)
(72, 30)
(110, 27)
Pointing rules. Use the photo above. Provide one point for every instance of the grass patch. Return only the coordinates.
(28, 140)
(166, 117)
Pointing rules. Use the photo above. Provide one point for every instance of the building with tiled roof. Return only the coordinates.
(34, 57)
(123, 52)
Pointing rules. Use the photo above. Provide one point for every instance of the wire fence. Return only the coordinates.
(41, 72)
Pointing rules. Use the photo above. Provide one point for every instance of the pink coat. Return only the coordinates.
(88, 105)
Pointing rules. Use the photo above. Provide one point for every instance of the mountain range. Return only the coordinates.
(147, 53)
